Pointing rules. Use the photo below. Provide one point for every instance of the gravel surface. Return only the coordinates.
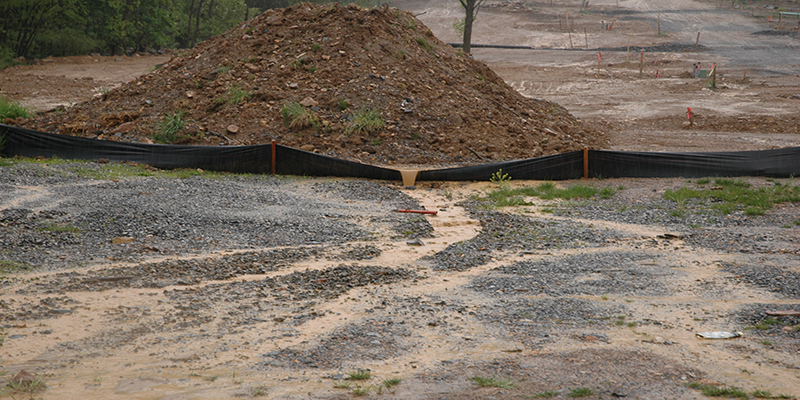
(622, 273)
(511, 232)
(313, 277)
(75, 213)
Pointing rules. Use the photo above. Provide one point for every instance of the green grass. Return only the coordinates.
(236, 95)
(765, 394)
(11, 267)
(258, 391)
(717, 391)
(36, 385)
(769, 323)
(296, 116)
(503, 196)
(730, 195)
(223, 69)
(365, 120)
(493, 382)
(581, 392)
(49, 227)
(544, 395)
(169, 127)
(342, 104)
(10, 109)
(387, 383)
(359, 374)
(424, 44)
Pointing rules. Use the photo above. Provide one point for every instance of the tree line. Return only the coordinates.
(40, 28)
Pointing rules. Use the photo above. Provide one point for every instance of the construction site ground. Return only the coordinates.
(618, 314)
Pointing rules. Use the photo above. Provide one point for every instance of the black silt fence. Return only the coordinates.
(258, 159)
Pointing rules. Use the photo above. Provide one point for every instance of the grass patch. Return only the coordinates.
(48, 227)
(358, 375)
(503, 196)
(223, 69)
(296, 116)
(544, 395)
(735, 194)
(36, 385)
(366, 120)
(11, 267)
(769, 323)
(388, 383)
(493, 382)
(10, 109)
(235, 95)
(765, 394)
(424, 44)
(717, 391)
(169, 127)
(581, 392)
(258, 391)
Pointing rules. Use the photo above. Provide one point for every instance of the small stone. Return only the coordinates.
(292, 86)
(122, 240)
(23, 378)
(308, 102)
(307, 147)
(232, 129)
(415, 242)
(190, 94)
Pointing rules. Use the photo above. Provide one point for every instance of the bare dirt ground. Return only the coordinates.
(465, 323)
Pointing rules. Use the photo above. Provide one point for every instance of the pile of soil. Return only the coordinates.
(437, 105)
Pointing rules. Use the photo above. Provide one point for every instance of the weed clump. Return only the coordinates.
(169, 127)
(365, 120)
(296, 116)
(10, 109)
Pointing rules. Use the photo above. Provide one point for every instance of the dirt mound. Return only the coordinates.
(375, 85)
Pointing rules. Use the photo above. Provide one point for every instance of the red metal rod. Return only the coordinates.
(274, 158)
(418, 212)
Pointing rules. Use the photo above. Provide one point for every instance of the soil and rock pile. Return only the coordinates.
(370, 85)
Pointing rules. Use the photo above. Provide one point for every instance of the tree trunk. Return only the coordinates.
(468, 19)
(197, 23)
(471, 11)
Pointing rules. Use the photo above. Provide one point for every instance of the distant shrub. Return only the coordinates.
(10, 109)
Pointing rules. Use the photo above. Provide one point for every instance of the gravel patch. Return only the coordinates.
(784, 280)
(754, 318)
(69, 219)
(608, 373)
(48, 307)
(174, 272)
(346, 347)
(540, 322)
(622, 273)
(289, 298)
(511, 232)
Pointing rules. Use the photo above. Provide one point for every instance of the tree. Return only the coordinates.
(471, 7)
(21, 20)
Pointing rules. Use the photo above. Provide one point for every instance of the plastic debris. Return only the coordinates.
(718, 335)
